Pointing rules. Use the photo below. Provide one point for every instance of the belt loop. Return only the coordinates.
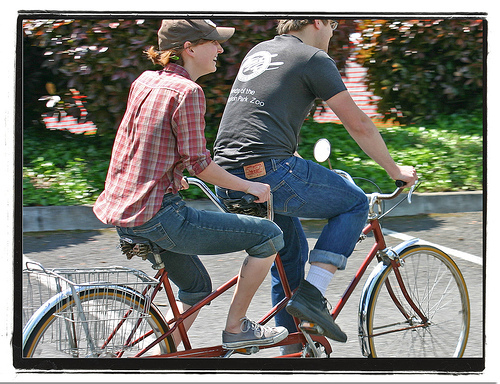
(274, 164)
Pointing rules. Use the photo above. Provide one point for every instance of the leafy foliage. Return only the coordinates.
(101, 58)
(447, 154)
(64, 169)
(423, 68)
(429, 70)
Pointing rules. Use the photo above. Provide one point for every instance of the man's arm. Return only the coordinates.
(366, 134)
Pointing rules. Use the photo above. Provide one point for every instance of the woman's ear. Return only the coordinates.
(188, 48)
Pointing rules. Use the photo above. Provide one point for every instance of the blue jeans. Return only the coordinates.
(303, 188)
(184, 232)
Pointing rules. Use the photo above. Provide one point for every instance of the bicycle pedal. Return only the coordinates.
(312, 328)
(248, 350)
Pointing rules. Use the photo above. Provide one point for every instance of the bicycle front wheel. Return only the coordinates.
(436, 286)
(117, 322)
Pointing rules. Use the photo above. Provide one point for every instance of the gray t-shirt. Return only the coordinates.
(273, 93)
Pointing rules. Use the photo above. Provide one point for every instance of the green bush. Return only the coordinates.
(101, 58)
(422, 69)
(448, 154)
(65, 169)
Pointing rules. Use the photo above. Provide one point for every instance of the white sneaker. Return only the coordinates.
(253, 334)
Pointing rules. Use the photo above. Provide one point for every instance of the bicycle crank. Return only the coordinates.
(307, 328)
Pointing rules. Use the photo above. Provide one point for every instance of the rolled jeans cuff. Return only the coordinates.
(327, 257)
(191, 298)
(268, 248)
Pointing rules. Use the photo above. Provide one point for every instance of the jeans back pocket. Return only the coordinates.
(157, 234)
(285, 199)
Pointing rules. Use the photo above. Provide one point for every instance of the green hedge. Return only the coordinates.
(447, 154)
(101, 58)
(422, 69)
(428, 69)
(65, 169)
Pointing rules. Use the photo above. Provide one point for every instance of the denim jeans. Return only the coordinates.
(303, 188)
(184, 232)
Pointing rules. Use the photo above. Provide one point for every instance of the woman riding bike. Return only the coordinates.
(160, 136)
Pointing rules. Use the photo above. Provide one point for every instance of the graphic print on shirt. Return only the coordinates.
(253, 66)
(256, 64)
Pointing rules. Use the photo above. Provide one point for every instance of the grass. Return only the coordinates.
(61, 168)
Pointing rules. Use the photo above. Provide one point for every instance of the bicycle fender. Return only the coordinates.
(405, 244)
(367, 292)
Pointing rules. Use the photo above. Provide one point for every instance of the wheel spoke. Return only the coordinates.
(116, 321)
(436, 287)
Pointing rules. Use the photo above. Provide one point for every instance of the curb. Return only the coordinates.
(81, 217)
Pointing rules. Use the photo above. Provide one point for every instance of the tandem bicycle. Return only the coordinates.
(414, 303)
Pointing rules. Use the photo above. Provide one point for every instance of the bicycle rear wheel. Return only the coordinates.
(119, 322)
(436, 286)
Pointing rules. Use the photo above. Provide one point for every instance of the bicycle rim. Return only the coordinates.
(436, 286)
(116, 325)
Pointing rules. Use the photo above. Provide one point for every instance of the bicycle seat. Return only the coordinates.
(245, 205)
(132, 245)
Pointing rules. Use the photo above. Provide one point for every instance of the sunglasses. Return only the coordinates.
(334, 24)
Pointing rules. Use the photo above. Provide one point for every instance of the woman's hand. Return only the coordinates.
(261, 190)
(184, 183)
(214, 174)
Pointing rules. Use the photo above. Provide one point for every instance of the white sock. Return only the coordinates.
(319, 277)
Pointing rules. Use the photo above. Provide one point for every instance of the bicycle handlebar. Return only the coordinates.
(387, 196)
(381, 196)
(400, 183)
(248, 199)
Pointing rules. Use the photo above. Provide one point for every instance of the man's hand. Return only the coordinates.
(408, 174)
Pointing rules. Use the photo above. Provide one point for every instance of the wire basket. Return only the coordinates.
(87, 312)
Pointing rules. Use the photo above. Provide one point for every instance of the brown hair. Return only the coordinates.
(164, 57)
(286, 26)
(171, 55)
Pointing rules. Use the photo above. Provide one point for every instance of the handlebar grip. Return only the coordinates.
(400, 183)
(248, 199)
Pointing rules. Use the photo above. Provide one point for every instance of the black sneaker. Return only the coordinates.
(309, 304)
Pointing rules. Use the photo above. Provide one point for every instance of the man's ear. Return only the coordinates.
(317, 24)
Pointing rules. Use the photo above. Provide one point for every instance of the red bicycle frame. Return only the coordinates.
(293, 338)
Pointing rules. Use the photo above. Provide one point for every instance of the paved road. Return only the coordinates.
(460, 231)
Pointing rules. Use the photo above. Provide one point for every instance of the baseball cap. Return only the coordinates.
(174, 33)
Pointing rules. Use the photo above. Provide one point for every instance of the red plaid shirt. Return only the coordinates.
(161, 134)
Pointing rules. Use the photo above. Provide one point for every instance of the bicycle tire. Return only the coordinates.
(436, 285)
(56, 331)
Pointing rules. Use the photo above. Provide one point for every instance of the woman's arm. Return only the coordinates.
(216, 175)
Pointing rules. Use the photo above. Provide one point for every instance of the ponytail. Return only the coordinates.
(164, 57)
